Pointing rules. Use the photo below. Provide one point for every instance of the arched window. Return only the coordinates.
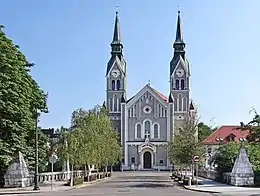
(175, 104)
(147, 129)
(177, 84)
(115, 103)
(111, 104)
(182, 84)
(184, 104)
(180, 102)
(113, 85)
(118, 85)
(138, 131)
(156, 133)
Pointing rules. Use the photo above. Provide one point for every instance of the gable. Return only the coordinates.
(115, 61)
(147, 88)
(180, 62)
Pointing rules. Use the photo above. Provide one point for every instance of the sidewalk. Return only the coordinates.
(212, 186)
(46, 187)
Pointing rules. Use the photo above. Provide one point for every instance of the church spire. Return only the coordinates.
(116, 45)
(178, 30)
(179, 44)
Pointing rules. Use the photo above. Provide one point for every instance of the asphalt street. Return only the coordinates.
(132, 184)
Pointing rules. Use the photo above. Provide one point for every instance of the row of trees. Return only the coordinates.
(92, 139)
(20, 98)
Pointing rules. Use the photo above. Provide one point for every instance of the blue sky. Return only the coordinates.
(69, 43)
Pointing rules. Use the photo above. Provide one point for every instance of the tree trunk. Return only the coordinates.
(86, 171)
(71, 176)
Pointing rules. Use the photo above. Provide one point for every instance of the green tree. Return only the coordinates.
(20, 98)
(185, 144)
(253, 126)
(226, 156)
(203, 131)
(92, 139)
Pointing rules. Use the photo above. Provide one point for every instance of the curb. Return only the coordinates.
(197, 190)
(18, 193)
(89, 183)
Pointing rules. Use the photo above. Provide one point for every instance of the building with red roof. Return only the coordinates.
(222, 135)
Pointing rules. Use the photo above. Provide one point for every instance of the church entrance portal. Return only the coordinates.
(147, 160)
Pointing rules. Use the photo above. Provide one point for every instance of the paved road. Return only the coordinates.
(131, 184)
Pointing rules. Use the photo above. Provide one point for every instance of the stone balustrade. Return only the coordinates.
(58, 176)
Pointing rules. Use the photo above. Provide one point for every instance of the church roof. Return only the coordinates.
(157, 92)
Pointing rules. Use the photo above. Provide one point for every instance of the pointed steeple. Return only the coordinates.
(179, 44)
(116, 45)
(178, 30)
(191, 106)
(170, 99)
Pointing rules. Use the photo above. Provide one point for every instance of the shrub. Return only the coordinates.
(78, 180)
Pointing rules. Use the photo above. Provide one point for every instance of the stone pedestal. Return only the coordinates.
(17, 174)
(242, 173)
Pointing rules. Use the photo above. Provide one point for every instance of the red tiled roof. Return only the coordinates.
(161, 95)
(223, 132)
(157, 92)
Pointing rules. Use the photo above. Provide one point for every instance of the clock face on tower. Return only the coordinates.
(115, 73)
(179, 72)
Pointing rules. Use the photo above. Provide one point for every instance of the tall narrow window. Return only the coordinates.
(182, 84)
(175, 104)
(118, 85)
(156, 131)
(111, 104)
(113, 85)
(147, 129)
(115, 103)
(184, 103)
(119, 104)
(180, 102)
(177, 84)
(138, 131)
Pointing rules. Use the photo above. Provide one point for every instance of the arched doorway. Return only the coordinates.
(147, 157)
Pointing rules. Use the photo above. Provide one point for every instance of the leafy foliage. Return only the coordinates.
(253, 126)
(185, 144)
(226, 156)
(20, 98)
(92, 139)
(204, 131)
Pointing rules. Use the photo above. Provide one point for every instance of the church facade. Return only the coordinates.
(147, 121)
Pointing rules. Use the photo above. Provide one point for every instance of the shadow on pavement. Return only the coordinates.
(144, 181)
(150, 185)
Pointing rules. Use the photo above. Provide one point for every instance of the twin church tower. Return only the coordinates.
(146, 121)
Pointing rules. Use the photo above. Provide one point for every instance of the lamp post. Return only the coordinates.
(36, 174)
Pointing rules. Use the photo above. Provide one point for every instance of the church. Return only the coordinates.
(147, 121)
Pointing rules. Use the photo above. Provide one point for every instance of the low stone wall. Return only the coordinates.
(213, 175)
(228, 178)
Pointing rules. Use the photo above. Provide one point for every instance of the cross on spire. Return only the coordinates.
(117, 8)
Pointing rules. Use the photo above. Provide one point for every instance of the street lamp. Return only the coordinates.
(36, 172)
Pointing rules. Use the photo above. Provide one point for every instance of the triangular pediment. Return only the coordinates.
(153, 92)
(115, 61)
(181, 63)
